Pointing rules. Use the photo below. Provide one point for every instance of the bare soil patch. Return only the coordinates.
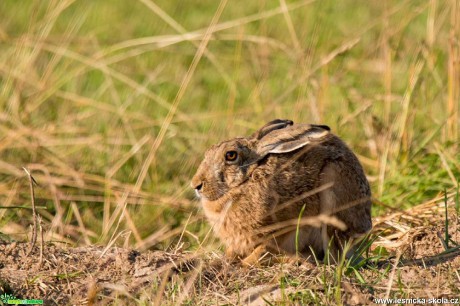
(416, 265)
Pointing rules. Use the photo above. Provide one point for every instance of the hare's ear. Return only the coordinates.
(271, 126)
(291, 138)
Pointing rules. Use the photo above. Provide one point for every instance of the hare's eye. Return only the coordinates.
(231, 156)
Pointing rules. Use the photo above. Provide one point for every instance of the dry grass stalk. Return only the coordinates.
(34, 211)
(81, 225)
(392, 275)
(161, 289)
(453, 74)
(197, 271)
(42, 242)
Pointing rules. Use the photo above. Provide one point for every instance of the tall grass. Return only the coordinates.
(111, 104)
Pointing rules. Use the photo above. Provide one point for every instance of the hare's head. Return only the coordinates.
(230, 163)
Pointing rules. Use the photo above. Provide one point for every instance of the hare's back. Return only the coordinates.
(298, 174)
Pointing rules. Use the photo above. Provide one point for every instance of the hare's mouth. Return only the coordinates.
(205, 198)
(208, 198)
(201, 196)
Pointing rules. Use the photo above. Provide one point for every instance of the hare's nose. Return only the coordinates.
(197, 185)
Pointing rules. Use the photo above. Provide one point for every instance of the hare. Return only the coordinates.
(288, 188)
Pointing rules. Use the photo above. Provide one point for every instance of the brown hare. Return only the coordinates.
(281, 189)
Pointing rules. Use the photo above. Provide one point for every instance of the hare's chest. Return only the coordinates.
(235, 223)
(238, 240)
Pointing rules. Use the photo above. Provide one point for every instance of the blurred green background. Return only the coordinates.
(98, 101)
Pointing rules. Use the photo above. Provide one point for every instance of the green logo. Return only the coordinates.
(10, 299)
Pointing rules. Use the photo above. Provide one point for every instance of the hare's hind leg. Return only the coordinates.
(339, 200)
(328, 205)
(349, 200)
(301, 243)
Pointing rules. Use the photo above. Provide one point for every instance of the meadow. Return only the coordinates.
(110, 105)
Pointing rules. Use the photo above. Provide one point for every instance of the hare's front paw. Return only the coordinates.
(256, 257)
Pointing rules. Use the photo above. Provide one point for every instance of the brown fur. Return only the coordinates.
(242, 198)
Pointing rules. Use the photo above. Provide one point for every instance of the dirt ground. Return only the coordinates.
(415, 239)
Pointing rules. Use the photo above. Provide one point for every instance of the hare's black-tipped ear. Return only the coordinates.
(291, 138)
(271, 126)
(324, 127)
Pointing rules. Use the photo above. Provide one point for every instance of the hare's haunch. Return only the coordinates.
(288, 188)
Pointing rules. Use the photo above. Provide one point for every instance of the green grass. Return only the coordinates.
(87, 93)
